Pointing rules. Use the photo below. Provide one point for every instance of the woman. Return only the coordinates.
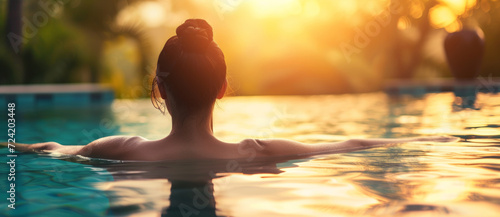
(190, 76)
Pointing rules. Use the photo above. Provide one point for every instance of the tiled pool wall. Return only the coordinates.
(43, 96)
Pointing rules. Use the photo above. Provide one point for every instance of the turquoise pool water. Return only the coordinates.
(424, 179)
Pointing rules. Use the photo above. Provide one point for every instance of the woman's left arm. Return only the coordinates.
(111, 147)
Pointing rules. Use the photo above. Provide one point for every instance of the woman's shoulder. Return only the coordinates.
(112, 147)
(274, 147)
(120, 138)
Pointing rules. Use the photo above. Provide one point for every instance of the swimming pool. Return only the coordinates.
(452, 179)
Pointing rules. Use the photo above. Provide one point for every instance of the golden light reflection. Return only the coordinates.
(447, 190)
(287, 197)
(439, 118)
(133, 192)
(261, 118)
(451, 185)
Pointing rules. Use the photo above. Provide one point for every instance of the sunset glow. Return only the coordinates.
(296, 45)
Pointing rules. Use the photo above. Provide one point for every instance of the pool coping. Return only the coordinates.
(411, 87)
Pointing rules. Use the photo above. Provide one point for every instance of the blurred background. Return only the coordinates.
(272, 47)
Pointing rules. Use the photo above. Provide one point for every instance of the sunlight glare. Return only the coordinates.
(447, 190)
(265, 8)
(311, 8)
(347, 6)
(152, 13)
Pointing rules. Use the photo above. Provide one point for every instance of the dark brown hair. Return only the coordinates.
(191, 67)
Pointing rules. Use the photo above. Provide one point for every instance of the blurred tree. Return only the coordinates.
(485, 14)
(65, 41)
(10, 61)
(407, 62)
(14, 13)
(44, 49)
(403, 41)
(403, 53)
(57, 54)
(101, 27)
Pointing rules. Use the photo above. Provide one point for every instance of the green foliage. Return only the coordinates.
(10, 67)
(57, 54)
(54, 53)
(96, 15)
(68, 47)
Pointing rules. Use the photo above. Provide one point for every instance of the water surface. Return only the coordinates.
(448, 179)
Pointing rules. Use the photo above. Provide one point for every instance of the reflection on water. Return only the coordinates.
(421, 179)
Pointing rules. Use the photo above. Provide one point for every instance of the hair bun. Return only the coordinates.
(195, 35)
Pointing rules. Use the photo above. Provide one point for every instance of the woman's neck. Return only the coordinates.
(192, 125)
